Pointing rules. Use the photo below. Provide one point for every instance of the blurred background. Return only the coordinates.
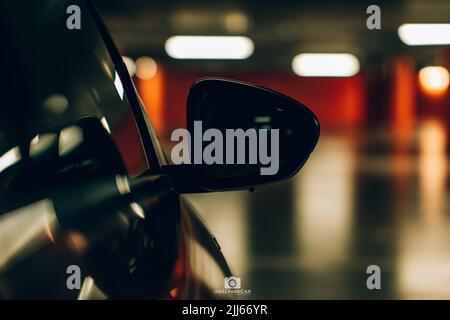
(375, 191)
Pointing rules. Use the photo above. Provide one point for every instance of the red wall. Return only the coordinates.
(335, 101)
(382, 95)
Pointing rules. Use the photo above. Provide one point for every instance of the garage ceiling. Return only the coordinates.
(279, 29)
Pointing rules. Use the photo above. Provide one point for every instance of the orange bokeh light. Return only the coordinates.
(434, 80)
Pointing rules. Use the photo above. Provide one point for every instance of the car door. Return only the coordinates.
(54, 80)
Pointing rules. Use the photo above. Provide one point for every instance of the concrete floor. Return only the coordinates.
(364, 197)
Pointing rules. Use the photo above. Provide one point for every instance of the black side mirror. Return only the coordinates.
(239, 136)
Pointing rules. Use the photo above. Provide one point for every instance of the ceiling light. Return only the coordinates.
(422, 34)
(146, 68)
(434, 80)
(236, 22)
(209, 47)
(325, 65)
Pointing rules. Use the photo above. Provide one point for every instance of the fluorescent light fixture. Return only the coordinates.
(209, 47)
(325, 65)
(423, 34)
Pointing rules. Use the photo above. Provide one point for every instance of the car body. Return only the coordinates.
(54, 77)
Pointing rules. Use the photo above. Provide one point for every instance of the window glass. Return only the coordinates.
(52, 76)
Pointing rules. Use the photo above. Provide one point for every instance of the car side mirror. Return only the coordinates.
(240, 136)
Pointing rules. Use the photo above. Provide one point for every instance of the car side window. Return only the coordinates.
(54, 76)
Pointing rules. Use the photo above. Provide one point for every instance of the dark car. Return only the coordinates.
(84, 183)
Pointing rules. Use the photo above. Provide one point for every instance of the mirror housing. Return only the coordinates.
(239, 136)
